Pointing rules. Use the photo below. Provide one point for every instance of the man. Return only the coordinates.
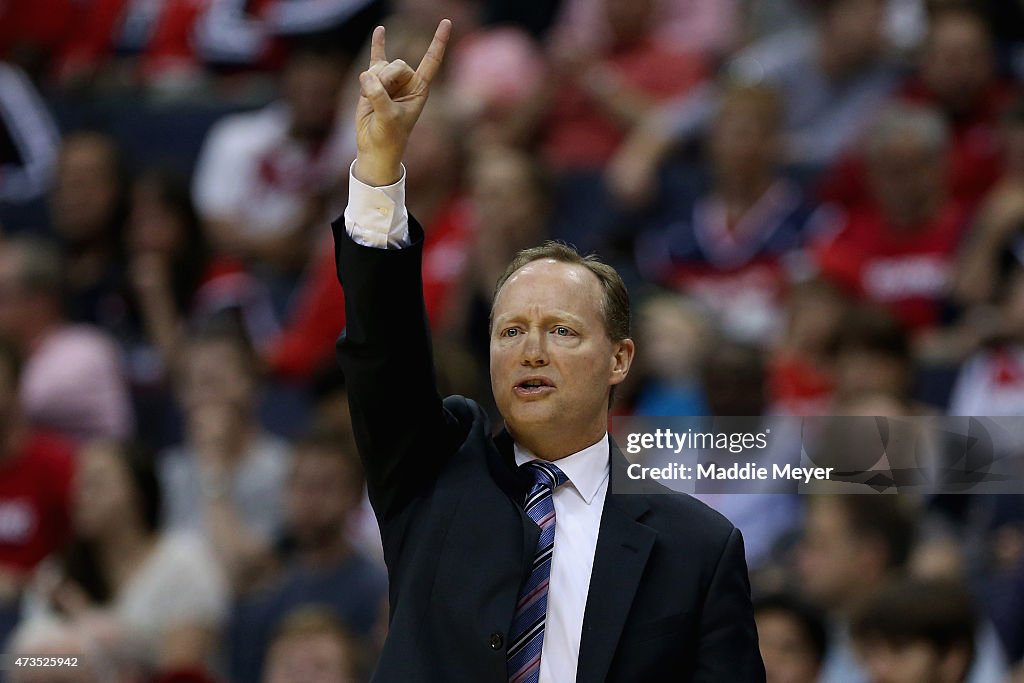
(497, 573)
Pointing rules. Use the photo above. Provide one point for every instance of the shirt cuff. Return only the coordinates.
(376, 216)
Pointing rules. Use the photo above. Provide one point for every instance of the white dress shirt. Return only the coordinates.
(578, 506)
(377, 217)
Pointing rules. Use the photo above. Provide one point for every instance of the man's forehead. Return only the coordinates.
(572, 285)
(553, 269)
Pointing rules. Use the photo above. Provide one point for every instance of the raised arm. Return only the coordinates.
(401, 428)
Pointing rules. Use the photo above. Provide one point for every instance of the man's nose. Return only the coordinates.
(535, 349)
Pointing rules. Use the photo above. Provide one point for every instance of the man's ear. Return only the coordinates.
(622, 359)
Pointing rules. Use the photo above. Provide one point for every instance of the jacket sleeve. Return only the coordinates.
(403, 433)
(727, 649)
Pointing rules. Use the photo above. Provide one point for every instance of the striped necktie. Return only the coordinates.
(527, 633)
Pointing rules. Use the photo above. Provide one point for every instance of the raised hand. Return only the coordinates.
(391, 97)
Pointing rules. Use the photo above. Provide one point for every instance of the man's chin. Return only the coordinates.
(530, 416)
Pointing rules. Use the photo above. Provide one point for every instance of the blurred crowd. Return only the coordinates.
(818, 206)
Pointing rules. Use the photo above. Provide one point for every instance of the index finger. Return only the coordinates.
(431, 62)
(377, 53)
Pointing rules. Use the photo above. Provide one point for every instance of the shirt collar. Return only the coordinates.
(585, 469)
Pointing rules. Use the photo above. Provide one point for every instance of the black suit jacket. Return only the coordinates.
(669, 597)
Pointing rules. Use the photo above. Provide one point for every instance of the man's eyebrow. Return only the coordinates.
(552, 317)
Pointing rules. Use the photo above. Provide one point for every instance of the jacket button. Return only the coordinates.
(496, 641)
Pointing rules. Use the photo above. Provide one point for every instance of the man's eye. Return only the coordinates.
(562, 331)
(511, 332)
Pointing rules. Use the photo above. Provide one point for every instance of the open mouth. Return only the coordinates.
(534, 386)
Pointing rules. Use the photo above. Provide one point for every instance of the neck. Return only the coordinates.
(555, 445)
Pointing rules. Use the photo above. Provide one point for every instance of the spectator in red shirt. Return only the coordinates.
(35, 482)
(957, 76)
(898, 250)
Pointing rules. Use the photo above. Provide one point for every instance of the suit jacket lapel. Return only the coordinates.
(502, 464)
(623, 546)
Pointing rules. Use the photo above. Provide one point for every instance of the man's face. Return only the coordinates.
(548, 330)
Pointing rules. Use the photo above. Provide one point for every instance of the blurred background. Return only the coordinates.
(818, 206)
